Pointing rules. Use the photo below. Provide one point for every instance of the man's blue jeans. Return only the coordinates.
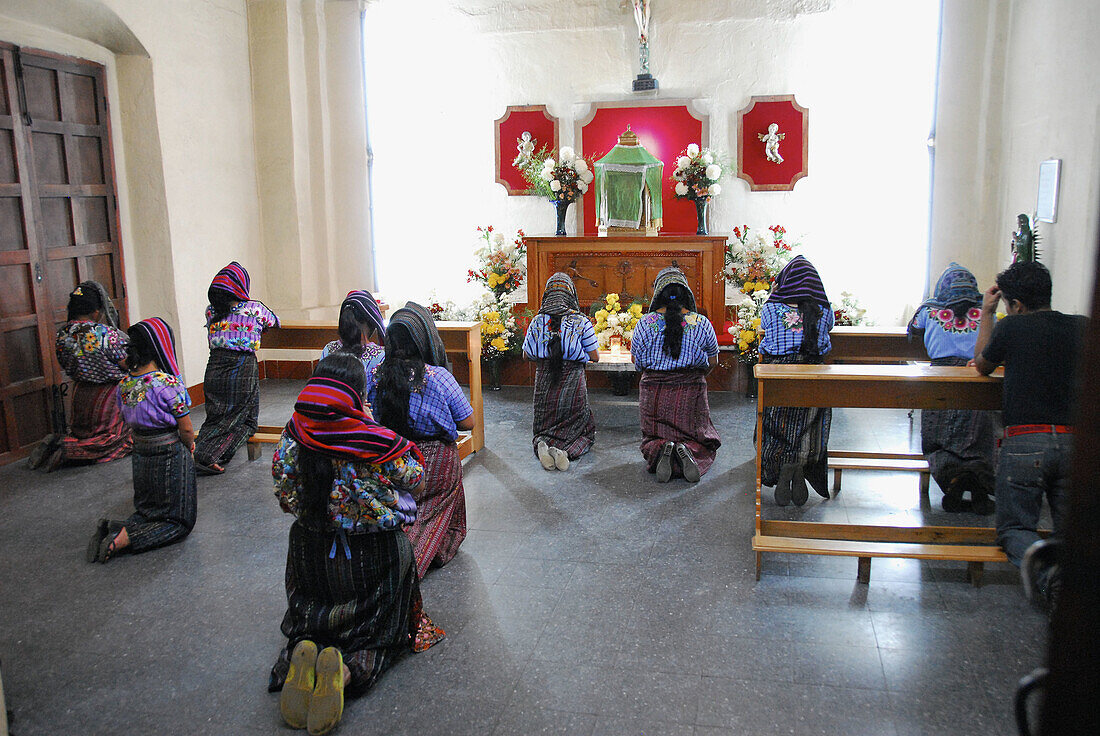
(1030, 466)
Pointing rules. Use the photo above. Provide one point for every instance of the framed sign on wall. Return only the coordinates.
(522, 128)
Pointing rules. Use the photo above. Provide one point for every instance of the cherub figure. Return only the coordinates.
(771, 143)
(526, 147)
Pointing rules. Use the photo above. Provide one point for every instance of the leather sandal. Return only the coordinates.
(664, 463)
(301, 679)
(326, 706)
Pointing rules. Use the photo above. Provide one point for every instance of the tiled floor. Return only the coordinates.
(590, 602)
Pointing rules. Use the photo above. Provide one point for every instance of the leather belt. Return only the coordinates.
(1018, 429)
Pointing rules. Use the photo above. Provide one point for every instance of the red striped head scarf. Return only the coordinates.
(329, 419)
(234, 279)
(160, 335)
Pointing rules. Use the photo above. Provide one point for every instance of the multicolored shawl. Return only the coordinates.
(164, 343)
(418, 321)
(90, 296)
(328, 418)
(667, 277)
(234, 279)
(365, 307)
(799, 281)
(956, 285)
(559, 296)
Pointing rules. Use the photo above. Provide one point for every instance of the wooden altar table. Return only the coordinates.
(461, 340)
(873, 386)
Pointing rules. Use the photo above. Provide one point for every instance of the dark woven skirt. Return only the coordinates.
(674, 408)
(98, 432)
(796, 435)
(958, 441)
(232, 388)
(440, 509)
(563, 418)
(364, 600)
(165, 498)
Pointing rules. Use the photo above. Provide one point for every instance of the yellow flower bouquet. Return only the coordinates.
(611, 320)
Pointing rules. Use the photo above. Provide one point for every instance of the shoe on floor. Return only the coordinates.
(687, 462)
(561, 458)
(301, 679)
(664, 463)
(783, 486)
(799, 492)
(981, 503)
(545, 457)
(54, 460)
(42, 451)
(327, 704)
(100, 533)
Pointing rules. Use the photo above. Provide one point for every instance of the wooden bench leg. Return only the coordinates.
(925, 478)
(974, 572)
(836, 479)
(863, 574)
(759, 560)
(254, 451)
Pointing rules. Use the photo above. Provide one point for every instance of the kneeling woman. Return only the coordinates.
(958, 443)
(155, 404)
(424, 403)
(351, 584)
(361, 330)
(675, 348)
(796, 321)
(561, 340)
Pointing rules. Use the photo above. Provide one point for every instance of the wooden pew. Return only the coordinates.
(873, 345)
(873, 386)
(462, 341)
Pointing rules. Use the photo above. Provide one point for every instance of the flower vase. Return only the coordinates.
(563, 209)
(493, 369)
(701, 214)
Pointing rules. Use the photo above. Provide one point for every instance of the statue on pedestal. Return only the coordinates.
(1025, 241)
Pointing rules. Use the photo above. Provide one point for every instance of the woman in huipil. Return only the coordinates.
(561, 340)
(958, 443)
(91, 350)
(361, 330)
(353, 596)
(675, 348)
(796, 321)
(424, 403)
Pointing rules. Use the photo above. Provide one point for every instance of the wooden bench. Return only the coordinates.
(841, 460)
(462, 340)
(873, 386)
(874, 345)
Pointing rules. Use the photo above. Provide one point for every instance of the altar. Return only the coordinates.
(627, 265)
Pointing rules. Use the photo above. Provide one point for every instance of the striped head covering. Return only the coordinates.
(667, 277)
(329, 419)
(164, 343)
(799, 281)
(366, 310)
(421, 326)
(234, 279)
(559, 296)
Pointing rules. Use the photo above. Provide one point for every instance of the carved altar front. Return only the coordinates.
(627, 265)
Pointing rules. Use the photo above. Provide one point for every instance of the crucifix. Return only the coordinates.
(645, 81)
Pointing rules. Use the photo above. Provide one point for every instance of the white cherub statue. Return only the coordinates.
(526, 147)
(771, 143)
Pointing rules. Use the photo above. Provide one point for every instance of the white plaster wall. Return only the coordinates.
(860, 222)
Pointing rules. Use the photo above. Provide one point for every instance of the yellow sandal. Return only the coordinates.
(327, 705)
(294, 703)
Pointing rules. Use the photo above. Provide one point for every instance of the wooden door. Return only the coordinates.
(58, 225)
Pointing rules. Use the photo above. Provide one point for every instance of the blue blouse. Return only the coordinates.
(697, 347)
(782, 326)
(578, 337)
(434, 408)
(373, 354)
(943, 338)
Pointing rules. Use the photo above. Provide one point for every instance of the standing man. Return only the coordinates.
(1040, 350)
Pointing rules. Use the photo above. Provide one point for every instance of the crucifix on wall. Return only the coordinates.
(645, 81)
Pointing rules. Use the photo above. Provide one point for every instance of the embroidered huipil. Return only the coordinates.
(578, 337)
(946, 338)
(782, 326)
(241, 328)
(372, 354)
(698, 345)
(435, 407)
(365, 497)
(153, 400)
(91, 352)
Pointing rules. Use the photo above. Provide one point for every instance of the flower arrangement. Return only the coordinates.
(697, 173)
(612, 320)
(849, 312)
(564, 180)
(746, 330)
(499, 332)
(502, 263)
(754, 260)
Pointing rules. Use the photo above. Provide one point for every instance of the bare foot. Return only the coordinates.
(119, 543)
